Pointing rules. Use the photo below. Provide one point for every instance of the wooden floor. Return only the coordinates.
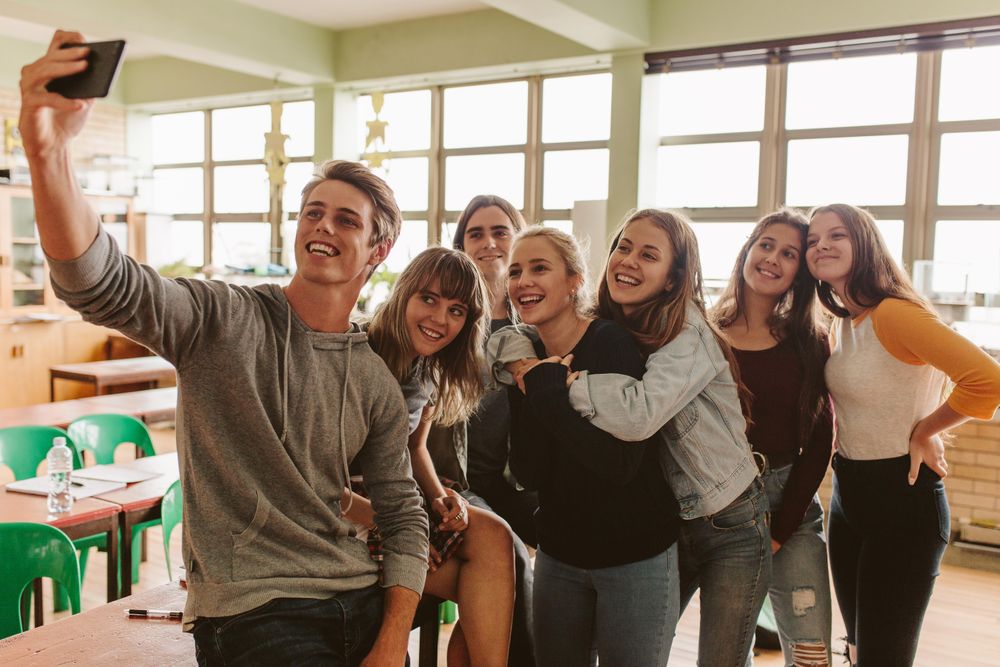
(962, 628)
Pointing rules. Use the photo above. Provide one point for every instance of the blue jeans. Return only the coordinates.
(339, 631)
(800, 582)
(626, 615)
(887, 539)
(728, 556)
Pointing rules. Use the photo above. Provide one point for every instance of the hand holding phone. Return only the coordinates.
(103, 63)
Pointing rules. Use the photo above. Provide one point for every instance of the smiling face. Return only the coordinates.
(333, 238)
(829, 253)
(539, 285)
(773, 260)
(639, 267)
(487, 240)
(433, 321)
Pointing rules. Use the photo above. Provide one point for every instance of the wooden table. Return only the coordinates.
(89, 516)
(150, 405)
(105, 374)
(104, 636)
(140, 502)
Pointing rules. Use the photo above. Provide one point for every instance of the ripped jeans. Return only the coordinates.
(800, 584)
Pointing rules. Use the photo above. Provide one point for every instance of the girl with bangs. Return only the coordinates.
(605, 569)
(430, 334)
(767, 314)
(888, 371)
(689, 393)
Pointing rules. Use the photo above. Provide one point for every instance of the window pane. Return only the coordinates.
(242, 189)
(708, 175)
(297, 174)
(981, 259)
(407, 117)
(297, 121)
(178, 137)
(968, 83)
(170, 241)
(178, 190)
(238, 134)
(469, 175)
(241, 244)
(970, 168)
(491, 115)
(448, 233)
(721, 100)
(576, 108)
(860, 170)
(892, 232)
(574, 176)
(718, 245)
(562, 225)
(412, 240)
(408, 179)
(847, 92)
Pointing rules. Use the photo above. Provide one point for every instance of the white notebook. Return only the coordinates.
(81, 488)
(114, 473)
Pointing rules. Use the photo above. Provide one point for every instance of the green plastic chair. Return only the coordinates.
(101, 435)
(171, 514)
(29, 551)
(23, 448)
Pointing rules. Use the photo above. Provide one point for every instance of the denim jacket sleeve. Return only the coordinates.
(506, 345)
(675, 374)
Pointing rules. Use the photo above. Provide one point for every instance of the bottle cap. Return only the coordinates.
(59, 441)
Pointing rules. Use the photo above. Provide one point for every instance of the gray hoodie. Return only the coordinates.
(269, 414)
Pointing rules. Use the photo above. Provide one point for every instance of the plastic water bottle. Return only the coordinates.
(60, 463)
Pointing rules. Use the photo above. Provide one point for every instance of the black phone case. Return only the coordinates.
(103, 63)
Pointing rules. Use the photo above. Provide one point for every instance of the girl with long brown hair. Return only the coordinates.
(430, 334)
(767, 314)
(689, 393)
(890, 360)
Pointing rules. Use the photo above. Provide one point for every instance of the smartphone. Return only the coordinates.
(103, 62)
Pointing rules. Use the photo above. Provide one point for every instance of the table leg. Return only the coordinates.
(126, 554)
(52, 389)
(36, 587)
(113, 561)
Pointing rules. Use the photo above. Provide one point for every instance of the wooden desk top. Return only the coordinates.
(104, 636)
(150, 492)
(123, 371)
(28, 507)
(149, 404)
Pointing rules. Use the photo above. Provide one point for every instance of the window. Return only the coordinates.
(490, 143)
(220, 152)
(857, 130)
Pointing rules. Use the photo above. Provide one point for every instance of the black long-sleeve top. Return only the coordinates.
(602, 501)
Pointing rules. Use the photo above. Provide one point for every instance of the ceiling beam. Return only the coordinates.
(223, 33)
(597, 24)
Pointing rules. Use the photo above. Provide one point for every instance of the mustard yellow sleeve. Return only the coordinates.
(915, 335)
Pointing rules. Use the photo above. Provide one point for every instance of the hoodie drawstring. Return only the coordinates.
(284, 373)
(343, 446)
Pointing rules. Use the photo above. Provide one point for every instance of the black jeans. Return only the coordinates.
(516, 507)
(886, 543)
(522, 638)
(339, 631)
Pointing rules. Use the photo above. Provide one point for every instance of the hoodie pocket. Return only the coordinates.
(273, 545)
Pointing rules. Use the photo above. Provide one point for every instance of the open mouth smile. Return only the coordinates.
(627, 281)
(322, 249)
(430, 333)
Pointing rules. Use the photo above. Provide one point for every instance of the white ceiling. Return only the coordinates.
(332, 14)
(342, 14)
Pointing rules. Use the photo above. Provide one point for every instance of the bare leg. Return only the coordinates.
(480, 578)
(458, 649)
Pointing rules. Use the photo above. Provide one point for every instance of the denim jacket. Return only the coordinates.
(687, 394)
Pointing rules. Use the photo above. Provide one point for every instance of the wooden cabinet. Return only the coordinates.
(24, 280)
(26, 352)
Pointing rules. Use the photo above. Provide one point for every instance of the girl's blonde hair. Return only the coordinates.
(455, 371)
(571, 254)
